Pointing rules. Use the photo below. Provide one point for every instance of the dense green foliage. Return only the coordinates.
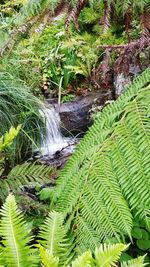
(95, 192)
(47, 58)
(29, 176)
(17, 251)
(101, 201)
(105, 184)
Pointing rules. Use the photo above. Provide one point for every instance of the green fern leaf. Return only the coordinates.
(139, 262)
(33, 7)
(8, 138)
(103, 124)
(53, 236)
(15, 236)
(106, 181)
(108, 255)
(48, 260)
(25, 174)
(84, 260)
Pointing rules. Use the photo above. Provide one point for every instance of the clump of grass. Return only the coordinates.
(19, 106)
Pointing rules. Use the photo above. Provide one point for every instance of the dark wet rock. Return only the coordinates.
(75, 115)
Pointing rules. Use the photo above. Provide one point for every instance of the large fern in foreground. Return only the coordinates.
(15, 236)
(106, 182)
(17, 251)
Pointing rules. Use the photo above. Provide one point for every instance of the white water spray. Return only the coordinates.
(53, 141)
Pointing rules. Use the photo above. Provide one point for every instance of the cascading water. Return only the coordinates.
(53, 140)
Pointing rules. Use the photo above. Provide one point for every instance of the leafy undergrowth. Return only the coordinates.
(103, 192)
(50, 61)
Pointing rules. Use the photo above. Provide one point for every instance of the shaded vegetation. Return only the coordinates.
(101, 200)
(111, 39)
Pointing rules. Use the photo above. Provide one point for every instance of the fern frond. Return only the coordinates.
(107, 11)
(48, 260)
(15, 236)
(108, 175)
(86, 235)
(103, 124)
(1, 256)
(102, 206)
(108, 255)
(8, 137)
(53, 236)
(25, 174)
(84, 260)
(131, 149)
(139, 262)
(126, 5)
(74, 13)
(33, 8)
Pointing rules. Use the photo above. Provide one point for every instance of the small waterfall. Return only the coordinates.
(53, 141)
